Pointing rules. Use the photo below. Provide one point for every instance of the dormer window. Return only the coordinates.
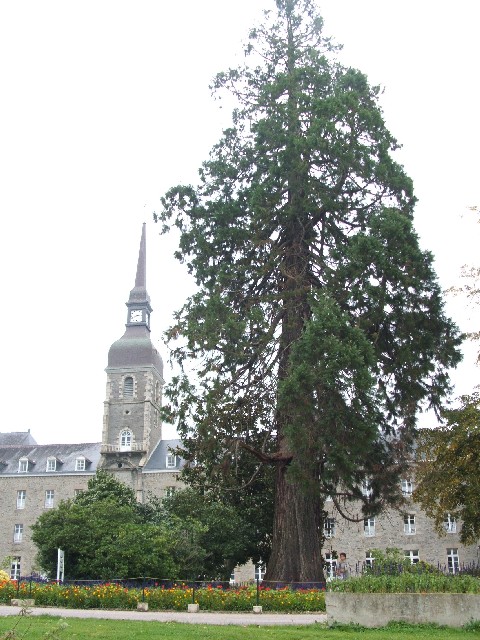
(126, 440)
(51, 464)
(171, 461)
(23, 465)
(128, 387)
(80, 463)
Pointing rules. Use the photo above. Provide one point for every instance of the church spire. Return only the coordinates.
(139, 291)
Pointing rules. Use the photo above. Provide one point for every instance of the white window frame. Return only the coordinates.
(409, 524)
(51, 464)
(23, 465)
(369, 527)
(171, 461)
(366, 489)
(369, 559)
(329, 528)
(80, 463)
(18, 533)
(169, 491)
(453, 561)
(126, 439)
(21, 498)
(450, 524)
(49, 498)
(330, 565)
(15, 567)
(412, 555)
(407, 487)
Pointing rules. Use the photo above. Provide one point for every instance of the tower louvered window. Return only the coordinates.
(128, 387)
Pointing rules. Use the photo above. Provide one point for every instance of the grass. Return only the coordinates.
(35, 628)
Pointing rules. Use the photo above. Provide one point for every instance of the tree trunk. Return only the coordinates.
(296, 545)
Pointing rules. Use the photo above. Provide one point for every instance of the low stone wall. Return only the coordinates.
(378, 609)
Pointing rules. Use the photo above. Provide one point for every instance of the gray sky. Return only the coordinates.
(105, 105)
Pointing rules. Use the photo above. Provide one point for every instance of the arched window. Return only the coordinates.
(126, 440)
(128, 387)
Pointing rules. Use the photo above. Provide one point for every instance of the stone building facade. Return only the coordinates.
(37, 477)
(407, 529)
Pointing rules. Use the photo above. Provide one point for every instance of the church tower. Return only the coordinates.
(131, 422)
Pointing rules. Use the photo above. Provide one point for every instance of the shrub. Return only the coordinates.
(408, 583)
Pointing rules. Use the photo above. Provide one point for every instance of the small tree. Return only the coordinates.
(227, 537)
(447, 475)
(106, 534)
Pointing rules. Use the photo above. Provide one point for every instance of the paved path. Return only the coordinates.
(242, 619)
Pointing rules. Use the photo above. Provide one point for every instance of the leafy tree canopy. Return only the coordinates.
(448, 471)
(106, 534)
(318, 327)
(227, 538)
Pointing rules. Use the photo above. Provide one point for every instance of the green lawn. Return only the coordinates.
(34, 628)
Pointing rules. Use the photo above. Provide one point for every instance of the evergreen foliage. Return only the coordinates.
(318, 327)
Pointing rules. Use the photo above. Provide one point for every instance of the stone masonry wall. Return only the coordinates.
(64, 487)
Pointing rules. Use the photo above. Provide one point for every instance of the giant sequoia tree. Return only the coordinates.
(318, 326)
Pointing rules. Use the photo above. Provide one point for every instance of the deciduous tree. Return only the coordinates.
(106, 534)
(448, 470)
(318, 326)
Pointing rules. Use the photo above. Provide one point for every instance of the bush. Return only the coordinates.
(408, 583)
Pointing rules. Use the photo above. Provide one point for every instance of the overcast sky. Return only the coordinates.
(105, 105)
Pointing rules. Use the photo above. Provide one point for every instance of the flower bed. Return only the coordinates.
(176, 598)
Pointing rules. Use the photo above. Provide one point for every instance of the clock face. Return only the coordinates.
(136, 315)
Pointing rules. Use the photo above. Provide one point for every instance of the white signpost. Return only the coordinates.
(60, 565)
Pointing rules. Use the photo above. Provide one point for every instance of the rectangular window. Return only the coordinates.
(369, 526)
(409, 523)
(329, 527)
(18, 533)
(407, 488)
(453, 561)
(366, 489)
(80, 464)
(369, 559)
(21, 499)
(77, 492)
(330, 565)
(412, 555)
(169, 491)
(49, 497)
(51, 464)
(15, 568)
(449, 524)
(171, 461)
(23, 465)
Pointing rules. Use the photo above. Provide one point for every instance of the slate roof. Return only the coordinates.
(158, 459)
(15, 438)
(65, 454)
